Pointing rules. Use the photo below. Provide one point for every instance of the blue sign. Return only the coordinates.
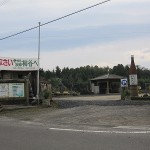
(124, 82)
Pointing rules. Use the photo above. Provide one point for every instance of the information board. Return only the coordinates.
(4, 90)
(11, 90)
(133, 79)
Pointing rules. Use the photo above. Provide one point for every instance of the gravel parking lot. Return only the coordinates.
(85, 115)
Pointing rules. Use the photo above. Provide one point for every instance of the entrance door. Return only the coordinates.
(103, 87)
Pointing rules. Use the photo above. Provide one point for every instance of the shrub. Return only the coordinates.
(125, 94)
(46, 94)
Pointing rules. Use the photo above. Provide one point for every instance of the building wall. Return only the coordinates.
(94, 89)
(15, 75)
(100, 86)
(14, 91)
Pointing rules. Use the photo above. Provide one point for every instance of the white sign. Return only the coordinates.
(18, 64)
(133, 79)
(16, 89)
(11, 90)
(124, 83)
(3, 90)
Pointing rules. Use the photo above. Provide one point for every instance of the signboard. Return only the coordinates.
(11, 90)
(4, 90)
(133, 79)
(18, 64)
(124, 83)
(16, 89)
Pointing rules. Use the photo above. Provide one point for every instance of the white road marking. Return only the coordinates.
(133, 127)
(32, 123)
(100, 131)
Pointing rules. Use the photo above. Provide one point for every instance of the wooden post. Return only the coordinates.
(107, 90)
(27, 91)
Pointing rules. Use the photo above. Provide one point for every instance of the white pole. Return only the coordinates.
(38, 72)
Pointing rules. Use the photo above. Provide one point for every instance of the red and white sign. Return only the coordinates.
(19, 64)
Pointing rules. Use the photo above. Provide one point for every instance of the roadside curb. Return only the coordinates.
(77, 103)
(14, 107)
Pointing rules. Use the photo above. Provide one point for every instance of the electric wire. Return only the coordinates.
(4, 2)
(54, 20)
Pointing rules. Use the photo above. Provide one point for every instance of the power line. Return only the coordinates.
(54, 20)
(4, 2)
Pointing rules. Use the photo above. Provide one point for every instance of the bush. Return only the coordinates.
(125, 94)
(46, 94)
(145, 95)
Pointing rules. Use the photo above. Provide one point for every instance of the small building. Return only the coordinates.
(21, 75)
(106, 84)
(18, 79)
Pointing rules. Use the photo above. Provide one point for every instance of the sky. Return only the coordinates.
(106, 35)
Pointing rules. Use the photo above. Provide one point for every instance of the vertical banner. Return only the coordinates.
(133, 79)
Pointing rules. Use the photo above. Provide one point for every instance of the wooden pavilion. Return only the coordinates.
(106, 84)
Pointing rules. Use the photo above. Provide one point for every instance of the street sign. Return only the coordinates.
(124, 83)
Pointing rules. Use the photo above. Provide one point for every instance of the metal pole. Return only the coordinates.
(38, 72)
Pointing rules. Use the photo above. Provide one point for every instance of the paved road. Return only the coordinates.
(87, 127)
(22, 136)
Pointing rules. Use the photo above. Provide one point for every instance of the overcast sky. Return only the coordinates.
(105, 35)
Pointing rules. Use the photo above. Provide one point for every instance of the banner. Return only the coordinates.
(20, 64)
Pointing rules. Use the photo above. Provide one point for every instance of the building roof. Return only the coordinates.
(107, 76)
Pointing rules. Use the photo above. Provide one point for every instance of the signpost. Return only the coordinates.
(124, 88)
(124, 83)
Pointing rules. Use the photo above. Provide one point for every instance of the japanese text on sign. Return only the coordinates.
(133, 79)
(18, 64)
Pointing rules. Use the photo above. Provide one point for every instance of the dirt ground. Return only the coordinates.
(90, 98)
(86, 115)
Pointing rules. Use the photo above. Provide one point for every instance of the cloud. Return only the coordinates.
(147, 50)
(102, 55)
(105, 35)
(60, 39)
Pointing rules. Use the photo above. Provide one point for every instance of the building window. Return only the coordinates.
(20, 76)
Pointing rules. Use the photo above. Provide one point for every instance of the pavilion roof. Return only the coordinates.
(107, 76)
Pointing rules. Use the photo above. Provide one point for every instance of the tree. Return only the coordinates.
(58, 72)
(119, 70)
(77, 79)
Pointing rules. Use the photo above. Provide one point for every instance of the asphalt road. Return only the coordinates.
(22, 136)
(93, 125)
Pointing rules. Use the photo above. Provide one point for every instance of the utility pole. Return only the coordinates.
(38, 72)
